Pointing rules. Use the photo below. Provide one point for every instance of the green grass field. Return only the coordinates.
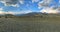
(30, 24)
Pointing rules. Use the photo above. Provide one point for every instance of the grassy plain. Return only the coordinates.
(30, 24)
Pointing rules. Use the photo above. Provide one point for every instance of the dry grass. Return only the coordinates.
(30, 24)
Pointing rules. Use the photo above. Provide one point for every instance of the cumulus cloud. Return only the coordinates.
(49, 10)
(35, 1)
(16, 5)
(1, 11)
(11, 2)
(45, 4)
(21, 1)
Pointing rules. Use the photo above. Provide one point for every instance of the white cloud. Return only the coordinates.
(40, 4)
(21, 2)
(49, 10)
(16, 5)
(1, 11)
(13, 3)
(14, 12)
(44, 3)
(28, 11)
(2, 1)
(35, 1)
(10, 12)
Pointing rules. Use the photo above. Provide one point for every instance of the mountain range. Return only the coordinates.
(30, 14)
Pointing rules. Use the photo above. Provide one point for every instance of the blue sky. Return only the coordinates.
(26, 6)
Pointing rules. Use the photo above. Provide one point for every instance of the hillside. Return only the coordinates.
(32, 14)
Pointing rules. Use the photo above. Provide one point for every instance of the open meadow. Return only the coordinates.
(30, 24)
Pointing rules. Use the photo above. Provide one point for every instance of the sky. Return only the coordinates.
(27, 6)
